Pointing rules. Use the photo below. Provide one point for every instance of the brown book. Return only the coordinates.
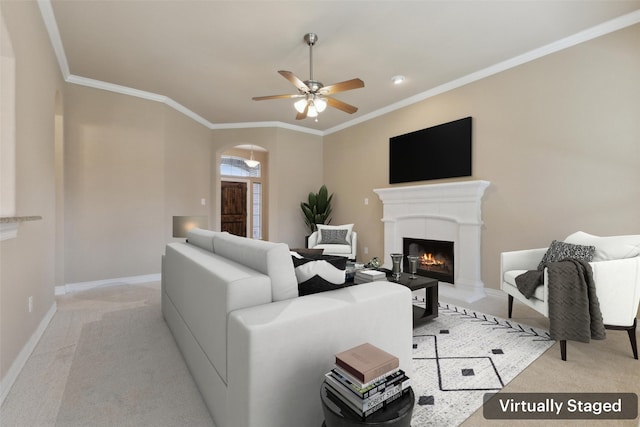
(366, 362)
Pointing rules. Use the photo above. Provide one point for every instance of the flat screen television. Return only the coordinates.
(442, 151)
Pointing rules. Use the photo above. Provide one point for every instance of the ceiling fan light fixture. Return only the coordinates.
(312, 111)
(300, 105)
(320, 104)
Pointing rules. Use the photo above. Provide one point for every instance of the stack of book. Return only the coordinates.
(364, 276)
(366, 379)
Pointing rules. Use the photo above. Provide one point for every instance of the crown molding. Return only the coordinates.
(54, 35)
(99, 84)
(567, 42)
(597, 31)
(280, 125)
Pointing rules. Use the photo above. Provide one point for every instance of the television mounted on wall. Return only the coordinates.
(441, 151)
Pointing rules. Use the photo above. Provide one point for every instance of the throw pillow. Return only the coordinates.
(348, 227)
(559, 251)
(334, 237)
(319, 273)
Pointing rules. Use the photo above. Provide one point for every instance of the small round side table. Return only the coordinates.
(337, 414)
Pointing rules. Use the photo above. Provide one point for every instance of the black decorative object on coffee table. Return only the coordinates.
(338, 414)
(430, 286)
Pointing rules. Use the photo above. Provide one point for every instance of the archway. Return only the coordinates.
(242, 172)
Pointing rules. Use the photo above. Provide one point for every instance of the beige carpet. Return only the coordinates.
(127, 370)
(69, 379)
(53, 389)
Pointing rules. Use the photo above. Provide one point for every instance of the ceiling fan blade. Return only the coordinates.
(341, 105)
(302, 86)
(303, 115)
(262, 98)
(342, 86)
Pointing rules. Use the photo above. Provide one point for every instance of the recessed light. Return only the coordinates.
(397, 79)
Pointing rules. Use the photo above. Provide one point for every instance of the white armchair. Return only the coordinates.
(338, 240)
(616, 273)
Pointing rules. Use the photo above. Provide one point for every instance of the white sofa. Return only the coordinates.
(616, 273)
(257, 351)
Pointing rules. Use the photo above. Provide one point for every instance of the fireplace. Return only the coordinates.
(436, 258)
(450, 212)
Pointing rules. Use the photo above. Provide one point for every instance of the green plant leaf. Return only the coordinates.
(318, 208)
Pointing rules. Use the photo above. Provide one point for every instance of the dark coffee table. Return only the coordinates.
(421, 315)
(338, 414)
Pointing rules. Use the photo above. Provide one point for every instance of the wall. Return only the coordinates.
(132, 164)
(114, 185)
(557, 137)
(187, 169)
(27, 262)
(295, 169)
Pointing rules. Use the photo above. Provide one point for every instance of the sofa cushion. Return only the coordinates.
(272, 259)
(510, 279)
(335, 249)
(201, 238)
(559, 251)
(609, 247)
(319, 273)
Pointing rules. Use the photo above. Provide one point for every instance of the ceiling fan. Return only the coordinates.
(313, 94)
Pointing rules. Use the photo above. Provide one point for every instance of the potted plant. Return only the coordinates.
(317, 209)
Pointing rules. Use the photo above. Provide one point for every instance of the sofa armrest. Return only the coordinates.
(354, 245)
(618, 289)
(313, 239)
(527, 259)
(278, 353)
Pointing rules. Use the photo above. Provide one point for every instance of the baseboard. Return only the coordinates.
(23, 356)
(496, 293)
(83, 286)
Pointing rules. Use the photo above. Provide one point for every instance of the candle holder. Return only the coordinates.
(395, 270)
(413, 265)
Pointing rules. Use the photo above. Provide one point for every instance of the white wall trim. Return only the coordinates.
(496, 293)
(46, 10)
(565, 43)
(281, 125)
(597, 31)
(83, 286)
(18, 364)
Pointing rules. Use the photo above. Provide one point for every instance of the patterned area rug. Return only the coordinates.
(461, 355)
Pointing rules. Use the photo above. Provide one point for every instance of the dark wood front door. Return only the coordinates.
(234, 208)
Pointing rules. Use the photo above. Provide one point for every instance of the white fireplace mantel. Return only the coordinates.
(451, 212)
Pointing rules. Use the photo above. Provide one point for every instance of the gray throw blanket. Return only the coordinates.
(574, 311)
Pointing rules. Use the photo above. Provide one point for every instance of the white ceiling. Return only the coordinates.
(209, 58)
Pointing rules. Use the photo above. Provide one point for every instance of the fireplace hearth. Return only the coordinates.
(436, 258)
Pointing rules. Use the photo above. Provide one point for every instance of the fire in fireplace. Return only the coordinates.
(436, 258)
